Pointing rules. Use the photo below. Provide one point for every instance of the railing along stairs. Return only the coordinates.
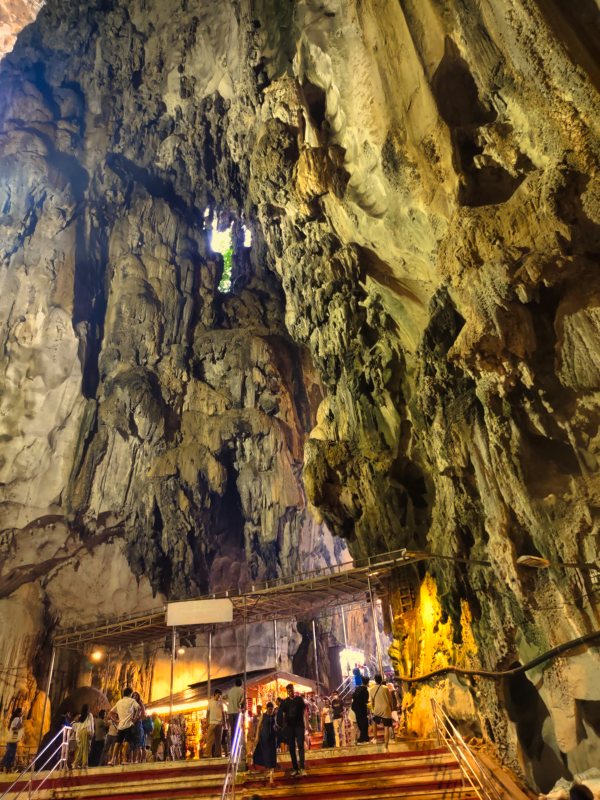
(57, 748)
(235, 754)
(346, 688)
(478, 775)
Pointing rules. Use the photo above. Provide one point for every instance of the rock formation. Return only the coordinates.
(407, 355)
(14, 15)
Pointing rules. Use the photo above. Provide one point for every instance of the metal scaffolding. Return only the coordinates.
(309, 595)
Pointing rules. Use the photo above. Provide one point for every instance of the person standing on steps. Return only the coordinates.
(126, 711)
(339, 722)
(15, 734)
(215, 717)
(235, 704)
(100, 733)
(293, 713)
(381, 703)
(265, 751)
(360, 702)
(84, 732)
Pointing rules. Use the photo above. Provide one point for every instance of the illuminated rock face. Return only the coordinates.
(14, 15)
(409, 354)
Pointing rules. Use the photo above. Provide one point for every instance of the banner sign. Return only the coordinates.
(199, 612)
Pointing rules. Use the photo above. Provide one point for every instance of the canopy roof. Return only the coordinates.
(196, 693)
(309, 595)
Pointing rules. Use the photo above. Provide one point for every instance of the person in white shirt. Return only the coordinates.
(235, 703)
(381, 703)
(126, 712)
(215, 717)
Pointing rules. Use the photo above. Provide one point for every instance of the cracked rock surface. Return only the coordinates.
(408, 355)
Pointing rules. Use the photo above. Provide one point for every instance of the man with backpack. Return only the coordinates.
(381, 703)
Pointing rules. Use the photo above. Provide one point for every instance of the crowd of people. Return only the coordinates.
(128, 734)
(288, 723)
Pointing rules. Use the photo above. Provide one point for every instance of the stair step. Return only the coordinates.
(411, 771)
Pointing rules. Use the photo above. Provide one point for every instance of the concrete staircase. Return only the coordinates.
(411, 770)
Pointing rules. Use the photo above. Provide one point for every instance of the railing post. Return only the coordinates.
(376, 626)
(173, 640)
(209, 663)
(242, 716)
(314, 630)
(48, 685)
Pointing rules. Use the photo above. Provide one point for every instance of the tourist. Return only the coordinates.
(235, 704)
(15, 734)
(357, 677)
(84, 732)
(360, 702)
(353, 727)
(126, 711)
(265, 750)
(139, 732)
(155, 735)
(339, 721)
(313, 712)
(293, 712)
(381, 703)
(109, 743)
(253, 727)
(215, 717)
(100, 733)
(281, 740)
(175, 739)
(327, 724)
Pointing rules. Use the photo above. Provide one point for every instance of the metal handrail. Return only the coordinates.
(481, 779)
(345, 686)
(234, 758)
(64, 734)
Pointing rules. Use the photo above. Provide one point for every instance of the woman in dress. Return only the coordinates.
(84, 732)
(15, 732)
(265, 751)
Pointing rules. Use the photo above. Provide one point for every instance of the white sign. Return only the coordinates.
(199, 612)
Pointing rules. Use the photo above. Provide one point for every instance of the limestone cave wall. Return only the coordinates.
(407, 356)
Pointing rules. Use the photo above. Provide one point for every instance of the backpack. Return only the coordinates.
(147, 725)
(357, 697)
